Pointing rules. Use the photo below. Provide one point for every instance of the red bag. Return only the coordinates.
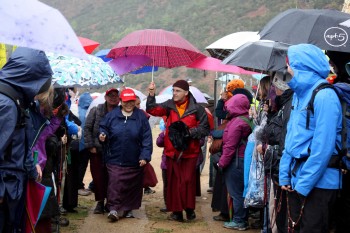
(149, 176)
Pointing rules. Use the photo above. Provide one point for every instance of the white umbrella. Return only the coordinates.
(159, 99)
(101, 99)
(33, 24)
(221, 48)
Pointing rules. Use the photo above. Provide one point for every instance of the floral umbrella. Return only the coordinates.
(71, 71)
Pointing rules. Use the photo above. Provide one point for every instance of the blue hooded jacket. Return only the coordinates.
(27, 70)
(129, 138)
(318, 143)
(83, 105)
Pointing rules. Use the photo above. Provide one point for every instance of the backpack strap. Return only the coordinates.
(248, 121)
(251, 124)
(310, 105)
(13, 94)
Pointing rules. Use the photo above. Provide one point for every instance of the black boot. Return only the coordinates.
(176, 216)
(190, 214)
(99, 209)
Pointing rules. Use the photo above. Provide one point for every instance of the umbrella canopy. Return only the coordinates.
(259, 76)
(89, 45)
(260, 55)
(102, 54)
(213, 64)
(145, 69)
(197, 94)
(36, 198)
(101, 98)
(221, 48)
(71, 71)
(159, 99)
(313, 26)
(33, 24)
(166, 49)
(126, 64)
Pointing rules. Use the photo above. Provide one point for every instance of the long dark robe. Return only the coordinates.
(124, 187)
(181, 193)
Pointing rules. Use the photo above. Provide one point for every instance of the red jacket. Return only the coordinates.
(195, 118)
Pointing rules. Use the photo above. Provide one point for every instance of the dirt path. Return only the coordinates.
(148, 218)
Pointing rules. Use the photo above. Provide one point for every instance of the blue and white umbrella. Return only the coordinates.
(72, 71)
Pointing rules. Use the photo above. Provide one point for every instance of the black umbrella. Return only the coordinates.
(260, 55)
(318, 27)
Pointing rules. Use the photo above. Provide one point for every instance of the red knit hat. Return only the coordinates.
(182, 84)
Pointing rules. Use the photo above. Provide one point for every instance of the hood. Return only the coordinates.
(310, 67)
(237, 105)
(85, 100)
(27, 70)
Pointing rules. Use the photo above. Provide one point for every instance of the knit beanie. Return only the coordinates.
(235, 83)
(182, 84)
(232, 85)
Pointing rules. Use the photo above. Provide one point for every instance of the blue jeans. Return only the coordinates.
(235, 184)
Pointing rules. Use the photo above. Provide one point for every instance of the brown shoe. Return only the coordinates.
(221, 217)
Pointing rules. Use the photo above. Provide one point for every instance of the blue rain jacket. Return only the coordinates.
(83, 105)
(129, 138)
(318, 143)
(26, 71)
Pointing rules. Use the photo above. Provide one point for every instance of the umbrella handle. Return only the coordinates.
(152, 72)
(30, 220)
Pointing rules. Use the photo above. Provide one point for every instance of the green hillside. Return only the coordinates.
(199, 21)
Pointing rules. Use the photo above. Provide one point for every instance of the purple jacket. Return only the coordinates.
(160, 143)
(40, 143)
(236, 129)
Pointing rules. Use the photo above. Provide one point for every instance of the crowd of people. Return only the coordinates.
(270, 155)
(282, 166)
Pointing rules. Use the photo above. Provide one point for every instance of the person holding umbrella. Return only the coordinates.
(182, 110)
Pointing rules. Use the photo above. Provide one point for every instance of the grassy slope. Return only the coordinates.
(201, 22)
